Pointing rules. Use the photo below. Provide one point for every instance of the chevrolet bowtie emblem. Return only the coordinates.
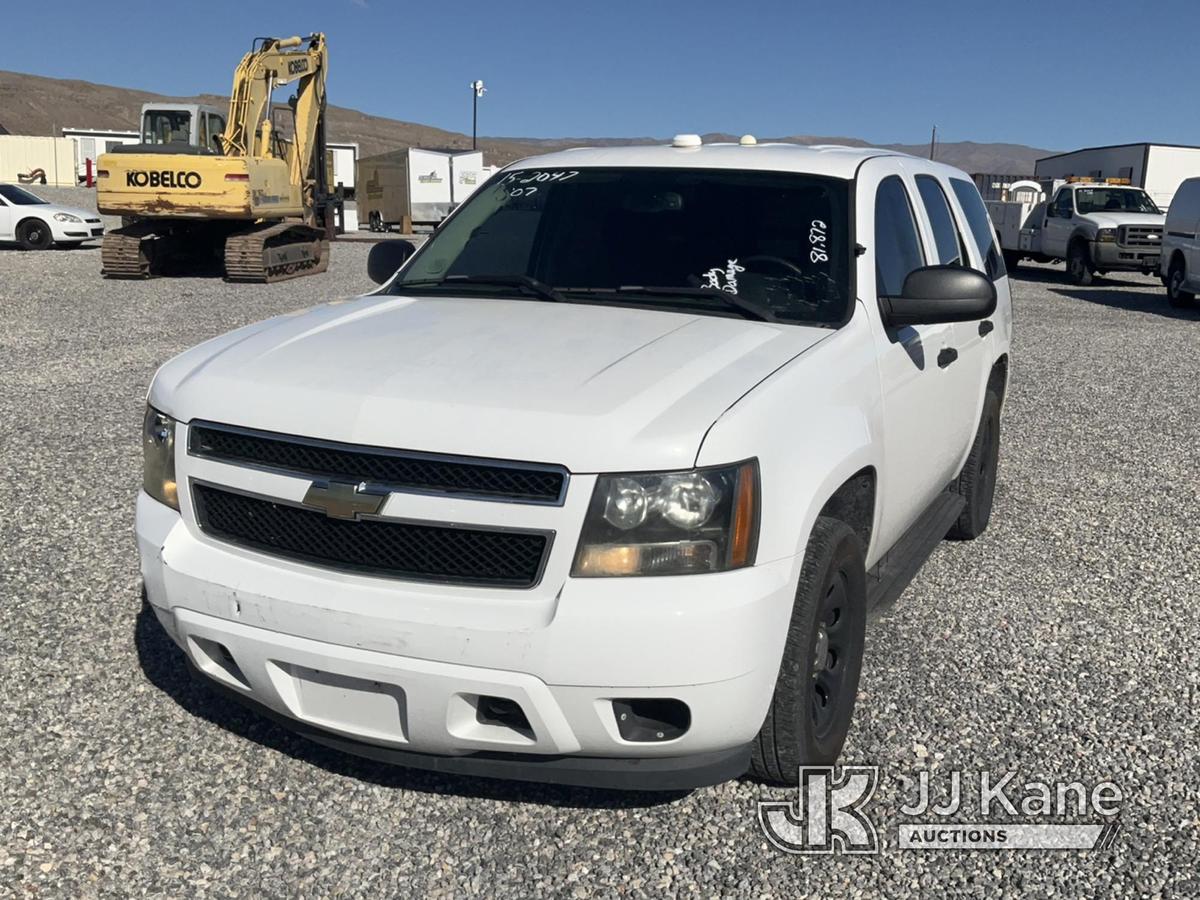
(345, 500)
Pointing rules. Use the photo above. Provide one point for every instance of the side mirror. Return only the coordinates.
(386, 257)
(1050, 212)
(937, 294)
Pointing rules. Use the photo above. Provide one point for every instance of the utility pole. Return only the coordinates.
(477, 91)
(933, 142)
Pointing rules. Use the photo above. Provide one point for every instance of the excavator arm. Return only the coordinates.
(248, 130)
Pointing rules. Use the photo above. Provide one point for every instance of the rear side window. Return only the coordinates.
(945, 232)
(897, 244)
(980, 225)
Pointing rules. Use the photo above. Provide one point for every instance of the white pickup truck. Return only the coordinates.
(1097, 227)
(600, 487)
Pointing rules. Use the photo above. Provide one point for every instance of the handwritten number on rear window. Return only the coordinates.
(817, 239)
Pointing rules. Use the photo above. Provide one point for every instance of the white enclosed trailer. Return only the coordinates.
(467, 171)
(403, 188)
(1158, 169)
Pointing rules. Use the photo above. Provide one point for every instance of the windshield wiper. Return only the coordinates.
(537, 288)
(749, 308)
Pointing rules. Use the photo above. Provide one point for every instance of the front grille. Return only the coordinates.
(96, 232)
(1140, 236)
(397, 470)
(396, 549)
(89, 221)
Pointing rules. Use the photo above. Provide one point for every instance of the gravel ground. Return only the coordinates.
(1061, 645)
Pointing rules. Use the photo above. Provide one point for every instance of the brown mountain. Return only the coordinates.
(32, 104)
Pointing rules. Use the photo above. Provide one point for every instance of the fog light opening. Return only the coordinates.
(220, 661)
(503, 712)
(652, 719)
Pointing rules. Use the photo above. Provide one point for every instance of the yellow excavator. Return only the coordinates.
(252, 202)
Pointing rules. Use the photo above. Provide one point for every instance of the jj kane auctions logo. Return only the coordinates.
(829, 813)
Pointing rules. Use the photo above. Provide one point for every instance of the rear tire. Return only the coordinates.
(976, 483)
(34, 234)
(1012, 260)
(813, 703)
(1176, 279)
(1079, 264)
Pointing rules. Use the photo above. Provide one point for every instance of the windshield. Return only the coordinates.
(725, 242)
(1091, 200)
(165, 126)
(19, 197)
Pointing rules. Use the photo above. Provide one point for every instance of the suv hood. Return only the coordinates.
(594, 388)
(1117, 219)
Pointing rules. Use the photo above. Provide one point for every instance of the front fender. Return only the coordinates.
(1087, 235)
(812, 424)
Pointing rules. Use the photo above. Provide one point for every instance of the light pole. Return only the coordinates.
(477, 91)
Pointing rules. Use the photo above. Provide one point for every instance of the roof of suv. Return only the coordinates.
(832, 160)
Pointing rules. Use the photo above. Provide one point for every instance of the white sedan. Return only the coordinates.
(36, 224)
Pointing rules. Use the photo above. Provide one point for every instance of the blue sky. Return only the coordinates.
(882, 70)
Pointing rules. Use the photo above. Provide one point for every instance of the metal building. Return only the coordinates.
(1157, 168)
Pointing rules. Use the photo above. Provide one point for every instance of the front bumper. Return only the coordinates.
(394, 670)
(1110, 255)
(75, 232)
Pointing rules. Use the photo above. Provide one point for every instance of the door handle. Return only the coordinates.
(986, 327)
(947, 356)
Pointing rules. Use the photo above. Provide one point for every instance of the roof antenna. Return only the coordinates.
(933, 142)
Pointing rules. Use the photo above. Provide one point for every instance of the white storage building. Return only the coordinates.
(38, 160)
(91, 142)
(1157, 168)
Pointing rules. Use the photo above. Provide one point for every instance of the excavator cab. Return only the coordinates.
(191, 124)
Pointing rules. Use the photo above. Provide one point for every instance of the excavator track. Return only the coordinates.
(128, 252)
(276, 252)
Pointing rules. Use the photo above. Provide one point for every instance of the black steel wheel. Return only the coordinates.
(976, 483)
(34, 234)
(813, 702)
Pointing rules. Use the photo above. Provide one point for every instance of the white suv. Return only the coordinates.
(601, 486)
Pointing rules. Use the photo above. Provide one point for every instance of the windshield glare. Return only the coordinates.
(19, 197)
(1093, 200)
(774, 239)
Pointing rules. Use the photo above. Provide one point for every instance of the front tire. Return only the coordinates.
(1176, 279)
(34, 234)
(1079, 264)
(813, 703)
(976, 483)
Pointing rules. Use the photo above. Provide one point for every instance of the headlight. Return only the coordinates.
(158, 457)
(66, 217)
(670, 523)
(1107, 235)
